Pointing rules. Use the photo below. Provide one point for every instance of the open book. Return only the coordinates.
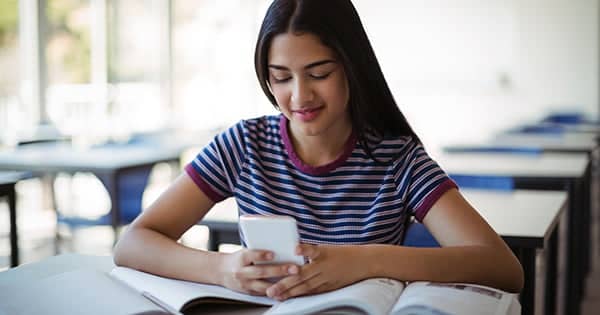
(376, 296)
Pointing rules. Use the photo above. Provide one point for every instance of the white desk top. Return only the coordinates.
(518, 213)
(51, 157)
(570, 141)
(28, 275)
(569, 165)
(11, 177)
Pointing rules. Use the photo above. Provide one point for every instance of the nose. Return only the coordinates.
(302, 92)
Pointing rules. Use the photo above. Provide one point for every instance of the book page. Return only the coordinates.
(180, 294)
(372, 296)
(454, 298)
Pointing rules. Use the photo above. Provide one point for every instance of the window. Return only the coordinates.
(213, 63)
(70, 102)
(138, 43)
(10, 113)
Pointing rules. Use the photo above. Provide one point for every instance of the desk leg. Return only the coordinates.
(551, 273)
(213, 240)
(573, 261)
(110, 180)
(218, 236)
(586, 226)
(527, 258)
(14, 239)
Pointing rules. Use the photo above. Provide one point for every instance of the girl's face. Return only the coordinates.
(309, 85)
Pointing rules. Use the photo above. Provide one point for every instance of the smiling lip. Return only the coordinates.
(308, 114)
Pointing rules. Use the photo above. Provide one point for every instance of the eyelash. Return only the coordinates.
(316, 77)
(320, 77)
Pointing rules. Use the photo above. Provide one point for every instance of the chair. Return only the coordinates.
(130, 189)
(567, 118)
(524, 150)
(417, 235)
(490, 182)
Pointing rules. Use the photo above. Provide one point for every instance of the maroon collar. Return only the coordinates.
(308, 169)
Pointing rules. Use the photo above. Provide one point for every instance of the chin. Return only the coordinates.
(309, 129)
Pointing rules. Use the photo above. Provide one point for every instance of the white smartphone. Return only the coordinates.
(276, 233)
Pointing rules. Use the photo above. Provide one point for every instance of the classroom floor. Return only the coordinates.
(37, 230)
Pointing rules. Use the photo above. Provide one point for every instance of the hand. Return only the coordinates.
(330, 267)
(241, 273)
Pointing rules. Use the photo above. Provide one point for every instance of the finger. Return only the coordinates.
(258, 287)
(255, 256)
(308, 250)
(309, 286)
(255, 293)
(268, 271)
(290, 282)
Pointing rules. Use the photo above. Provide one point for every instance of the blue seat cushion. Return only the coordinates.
(417, 235)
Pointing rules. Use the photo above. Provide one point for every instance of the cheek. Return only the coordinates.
(337, 93)
(280, 96)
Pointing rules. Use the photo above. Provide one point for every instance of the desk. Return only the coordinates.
(7, 189)
(593, 128)
(568, 142)
(545, 171)
(109, 163)
(26, 276)
(527, 220)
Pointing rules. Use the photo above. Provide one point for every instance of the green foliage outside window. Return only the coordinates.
(9, 18)
(69, 40)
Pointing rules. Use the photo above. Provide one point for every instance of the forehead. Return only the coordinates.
(296, 50)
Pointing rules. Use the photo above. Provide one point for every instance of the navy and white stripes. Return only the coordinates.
(352, 200)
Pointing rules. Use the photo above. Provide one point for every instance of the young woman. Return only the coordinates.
(341, 159)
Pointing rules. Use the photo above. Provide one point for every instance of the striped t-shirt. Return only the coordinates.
(352, 200)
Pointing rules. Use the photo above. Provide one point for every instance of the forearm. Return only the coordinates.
(484, 265)
(152, 252)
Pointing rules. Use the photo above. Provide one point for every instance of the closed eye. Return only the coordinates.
(280, 80)
(320, 77)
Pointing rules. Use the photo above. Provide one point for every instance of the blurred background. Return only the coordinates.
(93, 71)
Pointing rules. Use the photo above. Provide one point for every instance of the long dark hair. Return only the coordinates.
(372, 107)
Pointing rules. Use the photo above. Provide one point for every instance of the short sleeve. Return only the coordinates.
(424, 180)
(216, 168)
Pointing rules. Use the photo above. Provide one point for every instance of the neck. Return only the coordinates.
(320, 149)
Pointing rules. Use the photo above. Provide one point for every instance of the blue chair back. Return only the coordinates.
(417, 235)
(525, 150)
(130, 188)
(567, 118)
(483, 182)
(546, 130)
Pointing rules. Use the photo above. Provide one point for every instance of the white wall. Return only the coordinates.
(464, 69)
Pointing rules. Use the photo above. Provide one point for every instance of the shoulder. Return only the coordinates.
(258, 134)
(394, 149)
(263, 125)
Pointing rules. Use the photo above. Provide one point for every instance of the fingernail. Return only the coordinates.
(293, 269)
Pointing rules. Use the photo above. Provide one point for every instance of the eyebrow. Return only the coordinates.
(311, 65)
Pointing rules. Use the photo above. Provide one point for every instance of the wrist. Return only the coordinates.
(217, 261)
(371, 256)
(364, 261)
